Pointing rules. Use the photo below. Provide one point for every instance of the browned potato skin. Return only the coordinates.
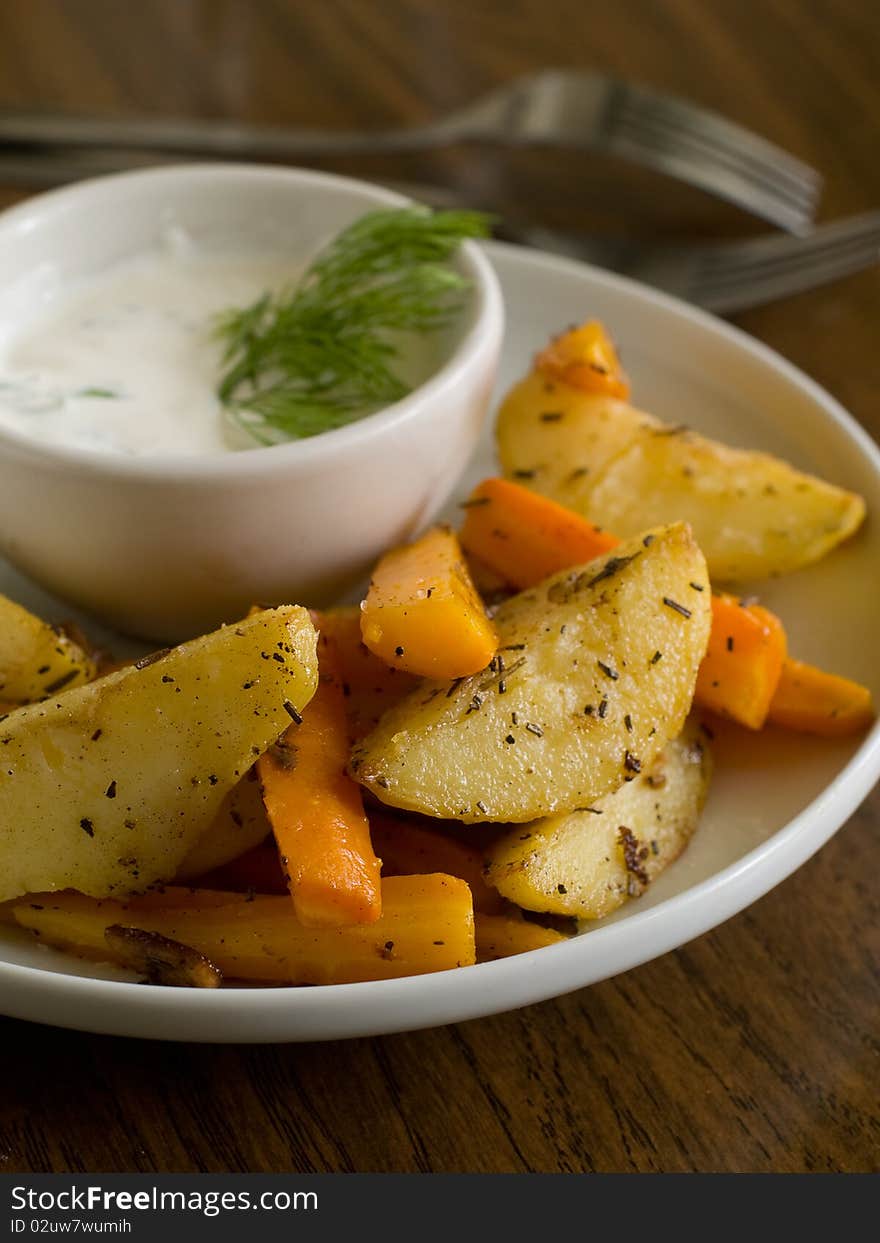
(752, 514)
(579, 703)
(588, 863)
(105, 789)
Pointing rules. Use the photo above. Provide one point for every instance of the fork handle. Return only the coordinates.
(224, 139)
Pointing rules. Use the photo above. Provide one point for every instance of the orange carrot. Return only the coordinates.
(422, 612)
(525, 537)
(317, 816)
(409, 849)
(813, 702)
(369, 686)
(743, 662)
(585, 358)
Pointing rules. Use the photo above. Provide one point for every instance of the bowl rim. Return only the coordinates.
(486, 308)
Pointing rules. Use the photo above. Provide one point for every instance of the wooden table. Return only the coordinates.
(754, 1048)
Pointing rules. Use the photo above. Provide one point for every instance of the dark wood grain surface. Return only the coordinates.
(755, 1048)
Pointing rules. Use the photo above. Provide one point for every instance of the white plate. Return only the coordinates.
(776, 798)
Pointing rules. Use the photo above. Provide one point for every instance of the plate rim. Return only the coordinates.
(346, 1011)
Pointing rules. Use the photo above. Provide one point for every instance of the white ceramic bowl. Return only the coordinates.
(166, 547)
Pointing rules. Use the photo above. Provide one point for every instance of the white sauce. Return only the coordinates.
(126, 362)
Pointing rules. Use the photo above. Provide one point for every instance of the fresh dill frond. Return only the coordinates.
(315, 357)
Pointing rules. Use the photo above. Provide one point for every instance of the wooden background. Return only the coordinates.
(754, 1048)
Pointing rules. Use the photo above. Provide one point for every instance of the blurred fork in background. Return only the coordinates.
(723, 277)
(575, 109)
(726, 277)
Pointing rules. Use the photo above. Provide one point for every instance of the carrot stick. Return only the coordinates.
(814, 702)
(741, 669)
(422, 612)
(408, 849)
(525, 537)
(427, 924)
(317, 815)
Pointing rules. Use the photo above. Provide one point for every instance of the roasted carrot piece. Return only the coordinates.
(500, 936)
(814, 702)
(427, 924)
(585, 358)
(369, 685)
(317, 816)
(743, 662)
(407, 849)
(524, 536)
(422, 612)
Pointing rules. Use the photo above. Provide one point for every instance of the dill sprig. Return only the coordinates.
(315, 357)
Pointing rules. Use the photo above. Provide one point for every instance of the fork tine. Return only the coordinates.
(761, 271)
(669, 141)
(594, 112)
(766, 254)
(709, 171)
(789, 277)
(721, 134)
(714, 154)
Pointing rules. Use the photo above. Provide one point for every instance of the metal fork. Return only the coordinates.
(729, 276)
(720, 276)
(558, 108)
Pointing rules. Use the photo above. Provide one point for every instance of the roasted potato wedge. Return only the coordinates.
(586, 863)
(753, 515)
(106, 788)
(37, 660)
(594, 673)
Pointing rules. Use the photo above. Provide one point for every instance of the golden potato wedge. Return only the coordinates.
(240, 824)
(586, 863)
(594, 673)
(752, 514)
(106, 788)
(36, 659)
